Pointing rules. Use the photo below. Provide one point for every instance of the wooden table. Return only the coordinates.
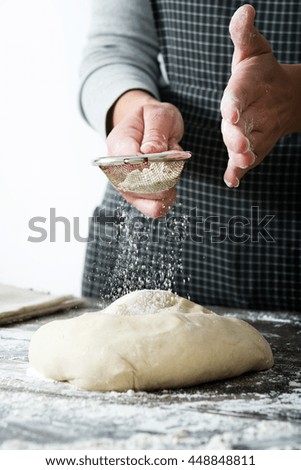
(256, 411)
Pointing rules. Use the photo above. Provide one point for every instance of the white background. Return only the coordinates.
(45, 145)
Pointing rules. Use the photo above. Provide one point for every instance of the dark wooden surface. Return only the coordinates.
(256, 411)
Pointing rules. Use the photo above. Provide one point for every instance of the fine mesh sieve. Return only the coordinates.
(144, 173)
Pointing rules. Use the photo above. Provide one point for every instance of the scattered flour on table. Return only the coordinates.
(137, 422)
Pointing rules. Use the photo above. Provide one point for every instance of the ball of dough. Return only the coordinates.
(147, 340)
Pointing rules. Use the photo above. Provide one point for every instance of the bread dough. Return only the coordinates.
(147, 340)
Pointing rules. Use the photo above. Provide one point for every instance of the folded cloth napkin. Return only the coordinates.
(17, 304)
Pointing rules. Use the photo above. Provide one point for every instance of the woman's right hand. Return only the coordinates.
(142, 124)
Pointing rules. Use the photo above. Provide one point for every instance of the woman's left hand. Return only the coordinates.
(262, 101)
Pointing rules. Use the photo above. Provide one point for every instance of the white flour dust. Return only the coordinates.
(139, 260)
(154, 178)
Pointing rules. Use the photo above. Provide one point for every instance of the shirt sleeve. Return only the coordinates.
(120, 55)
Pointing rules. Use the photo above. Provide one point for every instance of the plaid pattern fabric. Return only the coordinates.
(239, 248)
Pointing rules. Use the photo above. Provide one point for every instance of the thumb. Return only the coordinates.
(247, 40)
(163, 128)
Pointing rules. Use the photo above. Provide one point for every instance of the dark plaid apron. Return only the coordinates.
(239, 248)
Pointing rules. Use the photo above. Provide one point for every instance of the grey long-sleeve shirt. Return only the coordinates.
(120, 55)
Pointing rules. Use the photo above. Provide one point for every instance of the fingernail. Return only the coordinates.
(248, 146)
(253, 158)
(230, 185)
(237, 183)
(148, 147)
(251, 163)
(235, 116)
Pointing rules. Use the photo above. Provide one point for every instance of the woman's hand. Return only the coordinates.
(261, 102)
(141, 124)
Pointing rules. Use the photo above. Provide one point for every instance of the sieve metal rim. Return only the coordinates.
(168, 156)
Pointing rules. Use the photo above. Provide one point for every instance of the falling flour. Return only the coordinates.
(138, 261)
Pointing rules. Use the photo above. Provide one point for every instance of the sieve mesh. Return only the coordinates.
(144, 177)
(144, 173)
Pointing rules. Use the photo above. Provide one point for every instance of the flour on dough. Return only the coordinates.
(147, 340)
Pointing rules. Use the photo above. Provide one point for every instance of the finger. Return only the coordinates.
(242, 160)
(235, 172)
(248, 42)
(153, 207)
(125, 138)
(161, 124)
(246, 38)
(245, 135)
(233, 175)
(234, 138)
(237, 97)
